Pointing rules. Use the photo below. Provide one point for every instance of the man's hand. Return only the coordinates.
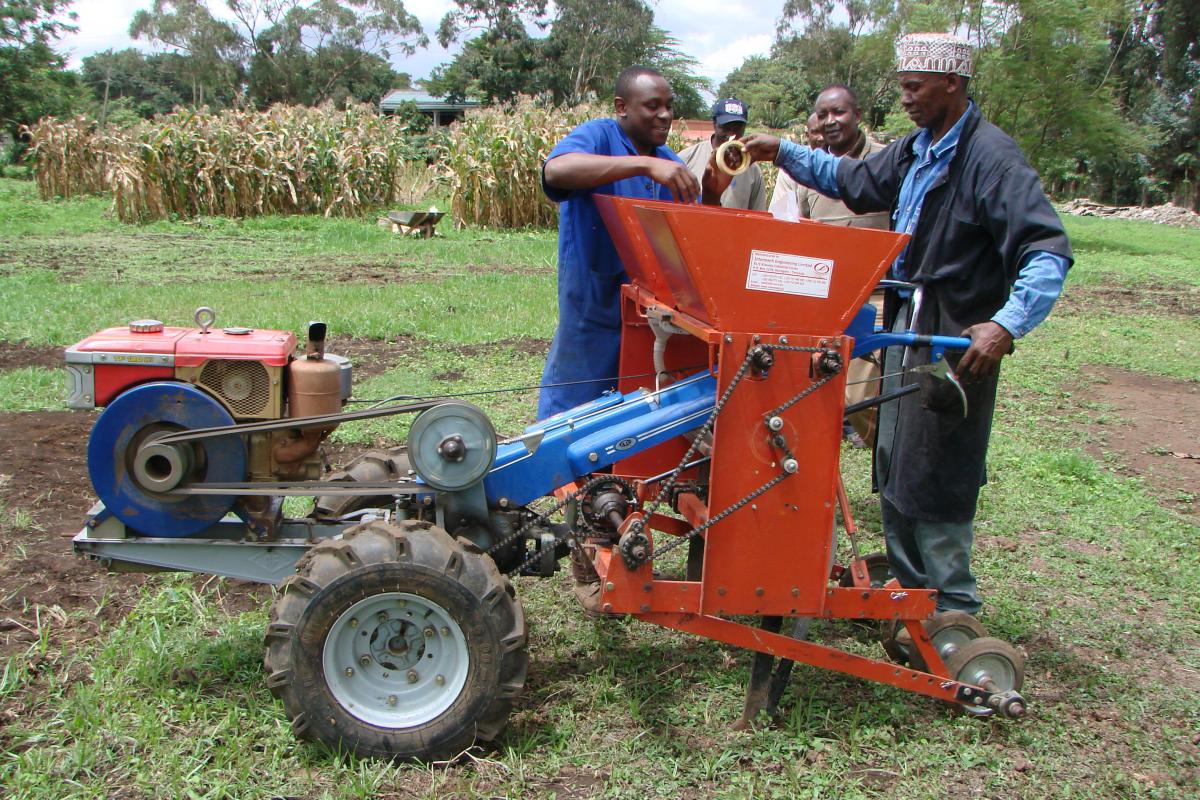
(676, 177)
(762, 147)
(990, 342)
(715, 181)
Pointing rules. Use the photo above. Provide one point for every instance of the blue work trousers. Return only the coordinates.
(932, 555)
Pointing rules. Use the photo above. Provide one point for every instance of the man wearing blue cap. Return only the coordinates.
(747, 190)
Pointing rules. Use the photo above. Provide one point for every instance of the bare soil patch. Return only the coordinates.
(1158, 434)
(46, 495)
(526, 345)
(371, 357)
(16, 355)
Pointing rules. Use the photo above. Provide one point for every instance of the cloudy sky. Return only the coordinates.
(719, 33)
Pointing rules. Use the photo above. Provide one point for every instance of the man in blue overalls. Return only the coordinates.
(625, 156)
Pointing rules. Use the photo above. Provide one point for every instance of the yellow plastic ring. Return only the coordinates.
(740, 168)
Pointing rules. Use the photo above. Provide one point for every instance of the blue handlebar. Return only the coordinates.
(867, 339)
(938, 345)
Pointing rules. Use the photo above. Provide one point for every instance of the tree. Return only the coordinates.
(288, 51)
(35, 82)
(143, 83)
(1098, 93)
(504, 18)
(492, 67)
(310, 51)
(335, 73)
(213, 47)
(1062, 124)
(770, 88)
(591, 41)
(664, 54)
(1155, 66)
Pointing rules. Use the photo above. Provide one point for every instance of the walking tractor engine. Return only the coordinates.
(156, 382)
(396, 631)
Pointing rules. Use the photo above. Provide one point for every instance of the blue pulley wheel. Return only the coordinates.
(134, 477)
(452, 445)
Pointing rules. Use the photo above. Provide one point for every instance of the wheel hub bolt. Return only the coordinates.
(440, 679)
(353, 622)
(445, 631)
(429, 632)
(392, 699)
(382, 616)
(364, 660)
(349, 672)
(413, 677)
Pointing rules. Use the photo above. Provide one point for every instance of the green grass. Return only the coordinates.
(31, 389)
(1092, 572)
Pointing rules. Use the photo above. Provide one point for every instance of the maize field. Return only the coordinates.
(494, 162)
(287, 160)
(297, 160)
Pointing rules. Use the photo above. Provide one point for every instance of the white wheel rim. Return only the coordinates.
(395, 660)
(988, 666)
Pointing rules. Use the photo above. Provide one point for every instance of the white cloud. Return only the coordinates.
(725, 60)
(718, 34)
(103, 24)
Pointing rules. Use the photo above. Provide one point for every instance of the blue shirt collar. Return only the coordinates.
(947, 144)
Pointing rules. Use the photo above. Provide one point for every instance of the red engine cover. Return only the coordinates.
(116, 358)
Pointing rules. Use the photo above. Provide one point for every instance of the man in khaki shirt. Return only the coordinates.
(840, 120)
(729, 122)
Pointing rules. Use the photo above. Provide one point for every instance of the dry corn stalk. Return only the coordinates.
(494, 161)
(287, 160)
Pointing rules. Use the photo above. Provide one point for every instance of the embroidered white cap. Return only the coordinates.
(935, 52)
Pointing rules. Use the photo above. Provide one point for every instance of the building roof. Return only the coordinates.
(424, 100)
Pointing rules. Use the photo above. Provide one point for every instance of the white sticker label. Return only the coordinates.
(784, 273)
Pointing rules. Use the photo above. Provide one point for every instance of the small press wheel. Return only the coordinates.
(990, 664)
(879, 572)
(949, 631)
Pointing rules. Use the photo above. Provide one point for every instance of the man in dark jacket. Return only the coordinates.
(988, 256)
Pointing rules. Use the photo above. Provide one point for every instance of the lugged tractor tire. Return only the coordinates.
(396, 641)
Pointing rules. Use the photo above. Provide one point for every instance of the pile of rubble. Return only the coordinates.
(1169, 214)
